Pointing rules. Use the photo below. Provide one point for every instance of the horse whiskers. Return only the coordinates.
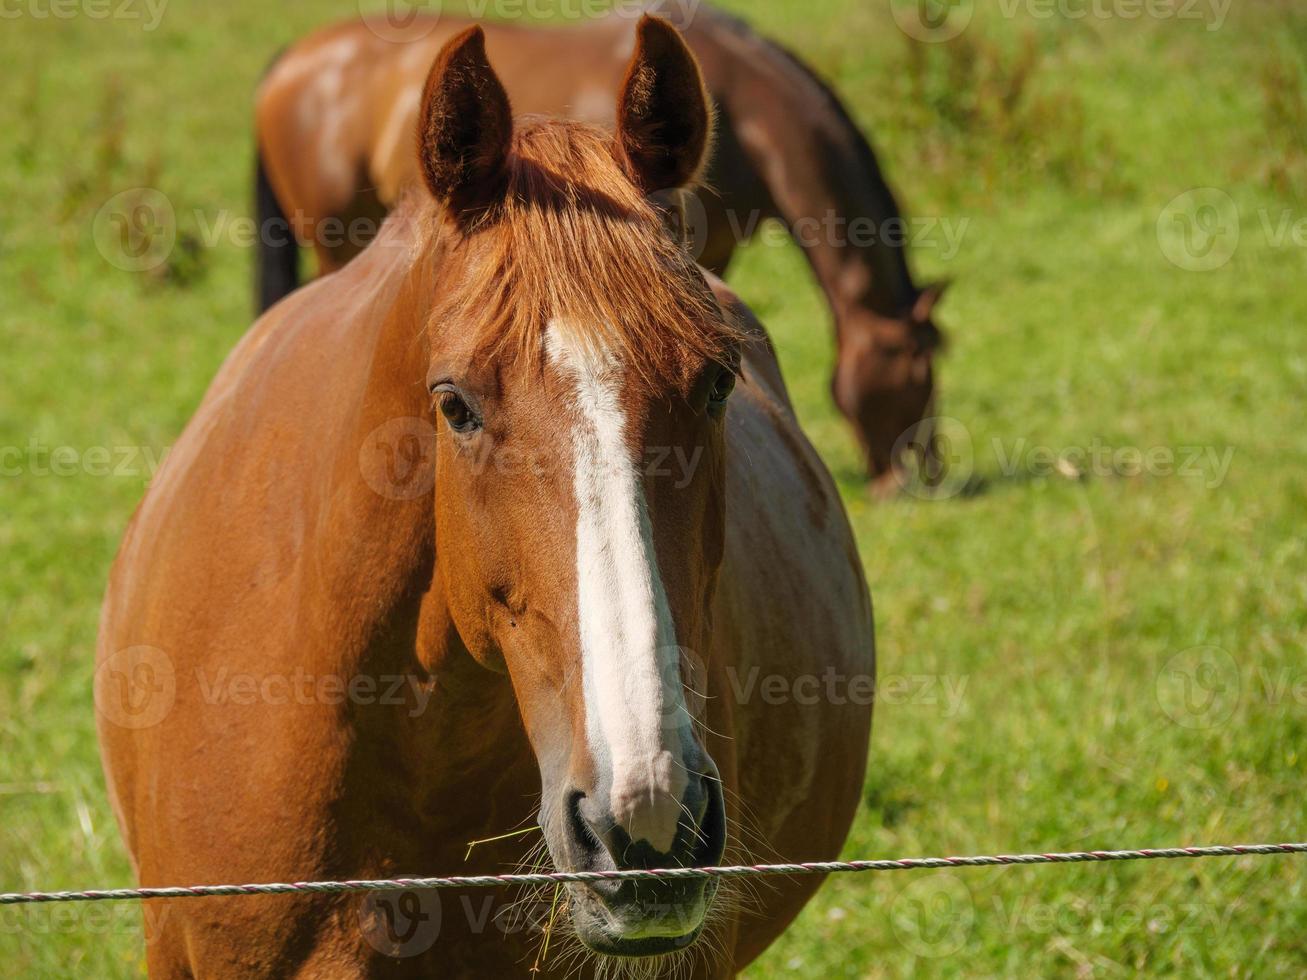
(577, 960)
(698, 724)
(742, 828)
(558, 952)
(745, 828)
(562, 953)
(698, 833)
(535, 859)
(530, 901)
(710, 947)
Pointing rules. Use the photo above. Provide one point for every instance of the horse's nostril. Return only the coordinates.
(698, 798)
(597, 832)
(711, 840)
(582, 832)
(599, 840)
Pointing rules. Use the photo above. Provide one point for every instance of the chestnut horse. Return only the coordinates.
(479, 533)
(336, 111)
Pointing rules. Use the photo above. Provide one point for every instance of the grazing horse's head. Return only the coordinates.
(582, 368)
(884, 381)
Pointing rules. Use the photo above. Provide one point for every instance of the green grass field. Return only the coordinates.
(1106, 652)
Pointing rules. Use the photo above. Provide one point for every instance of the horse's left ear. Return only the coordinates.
(664, 115)
(466, 126)
(928, 299)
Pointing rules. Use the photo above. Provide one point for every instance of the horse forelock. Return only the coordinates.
(574, 242)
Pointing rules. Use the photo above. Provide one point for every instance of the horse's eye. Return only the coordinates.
(722, 387)
(460, 417)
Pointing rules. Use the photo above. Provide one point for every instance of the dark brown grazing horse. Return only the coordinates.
(336, 111)
(478, 533)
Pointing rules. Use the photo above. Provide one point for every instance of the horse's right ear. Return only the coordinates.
(465, 127)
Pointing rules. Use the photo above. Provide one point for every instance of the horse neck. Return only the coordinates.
(397, 291)
(815, 163)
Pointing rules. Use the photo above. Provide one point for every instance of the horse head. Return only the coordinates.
(581, 369)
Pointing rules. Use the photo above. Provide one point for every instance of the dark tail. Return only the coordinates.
(278, 271)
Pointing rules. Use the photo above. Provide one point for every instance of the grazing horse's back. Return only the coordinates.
(386, 483)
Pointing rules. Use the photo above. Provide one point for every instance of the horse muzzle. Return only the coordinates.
(644, 917)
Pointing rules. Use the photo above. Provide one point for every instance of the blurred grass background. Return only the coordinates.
(1055, 604)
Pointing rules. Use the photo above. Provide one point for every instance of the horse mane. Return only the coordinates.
(574, 242)
(863, 157)
(830, 100)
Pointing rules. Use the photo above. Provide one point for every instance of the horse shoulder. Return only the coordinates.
(794, 652)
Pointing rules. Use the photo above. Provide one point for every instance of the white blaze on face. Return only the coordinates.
(635, 715)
